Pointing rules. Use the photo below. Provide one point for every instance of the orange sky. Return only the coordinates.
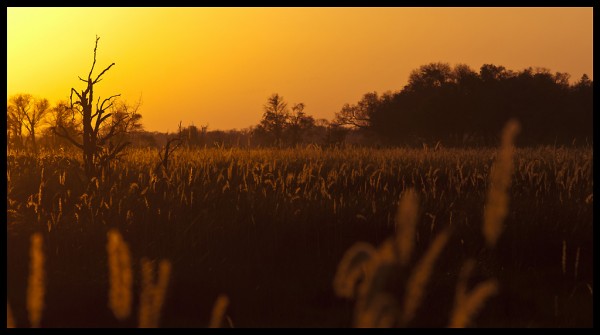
(217, 66)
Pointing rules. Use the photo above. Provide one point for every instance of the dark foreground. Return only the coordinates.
(268, 229)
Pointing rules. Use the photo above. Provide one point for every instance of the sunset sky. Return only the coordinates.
(218, 66)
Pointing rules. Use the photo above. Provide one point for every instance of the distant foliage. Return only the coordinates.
(461, 107)
(281, 126)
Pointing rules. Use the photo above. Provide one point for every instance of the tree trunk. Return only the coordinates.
(33, 139)
(88, 149)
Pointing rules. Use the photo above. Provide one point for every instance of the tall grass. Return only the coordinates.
(496, 207)
(326, 200)
(366, 270)
(370, 267)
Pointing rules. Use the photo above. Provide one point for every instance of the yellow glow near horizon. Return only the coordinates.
(217, 66)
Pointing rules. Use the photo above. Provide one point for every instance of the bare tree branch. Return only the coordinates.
(71, 97)
(101, 73)
(66, 135)
(106, 100)
(94, 63)
(118, 149)
(112, 132)
(99, 121)
(97, 102)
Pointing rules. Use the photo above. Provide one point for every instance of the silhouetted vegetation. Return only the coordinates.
(461, 107)
(268, 227)
(262, 231)
(453, 106)
(280, 126)
(25, 111)
(102, 135)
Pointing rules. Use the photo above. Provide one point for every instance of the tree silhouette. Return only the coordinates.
(491, 72)
(99, 126)
(359, 115)
(25, 111)
(298, 124)
(33, 120)
(430, 75)
(280, 126)
(275, 117)
(17, 107)
(459, 106)
(61, 116)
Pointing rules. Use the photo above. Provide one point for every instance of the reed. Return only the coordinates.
(364, 271)
(381, 313)
(406, 221)
(153, 292)
(468, 304)
(415, 286)
(120, 275)
(351, 269)
(218, 312)
(496, 207)
(36, 285)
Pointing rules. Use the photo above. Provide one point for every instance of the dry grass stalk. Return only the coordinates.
(406, 221)
(370, 304)
(387, 253)
(145, 306)
(362, 274)
(466, 305)
(351, 269)
(10, 321)
(218, 312)
(35, 288)
(374, 307)
(496, 207)
(153, 294)
(120, 275)
(415, 287)
(381, 313)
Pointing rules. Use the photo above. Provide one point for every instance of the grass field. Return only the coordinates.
(268, 228)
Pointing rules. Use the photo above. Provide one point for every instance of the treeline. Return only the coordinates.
(458, 106)
(33, 123)
(454, 106)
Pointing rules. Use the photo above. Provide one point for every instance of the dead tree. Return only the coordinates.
(94, 141)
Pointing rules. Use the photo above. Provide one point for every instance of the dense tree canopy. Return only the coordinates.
(459, 106)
